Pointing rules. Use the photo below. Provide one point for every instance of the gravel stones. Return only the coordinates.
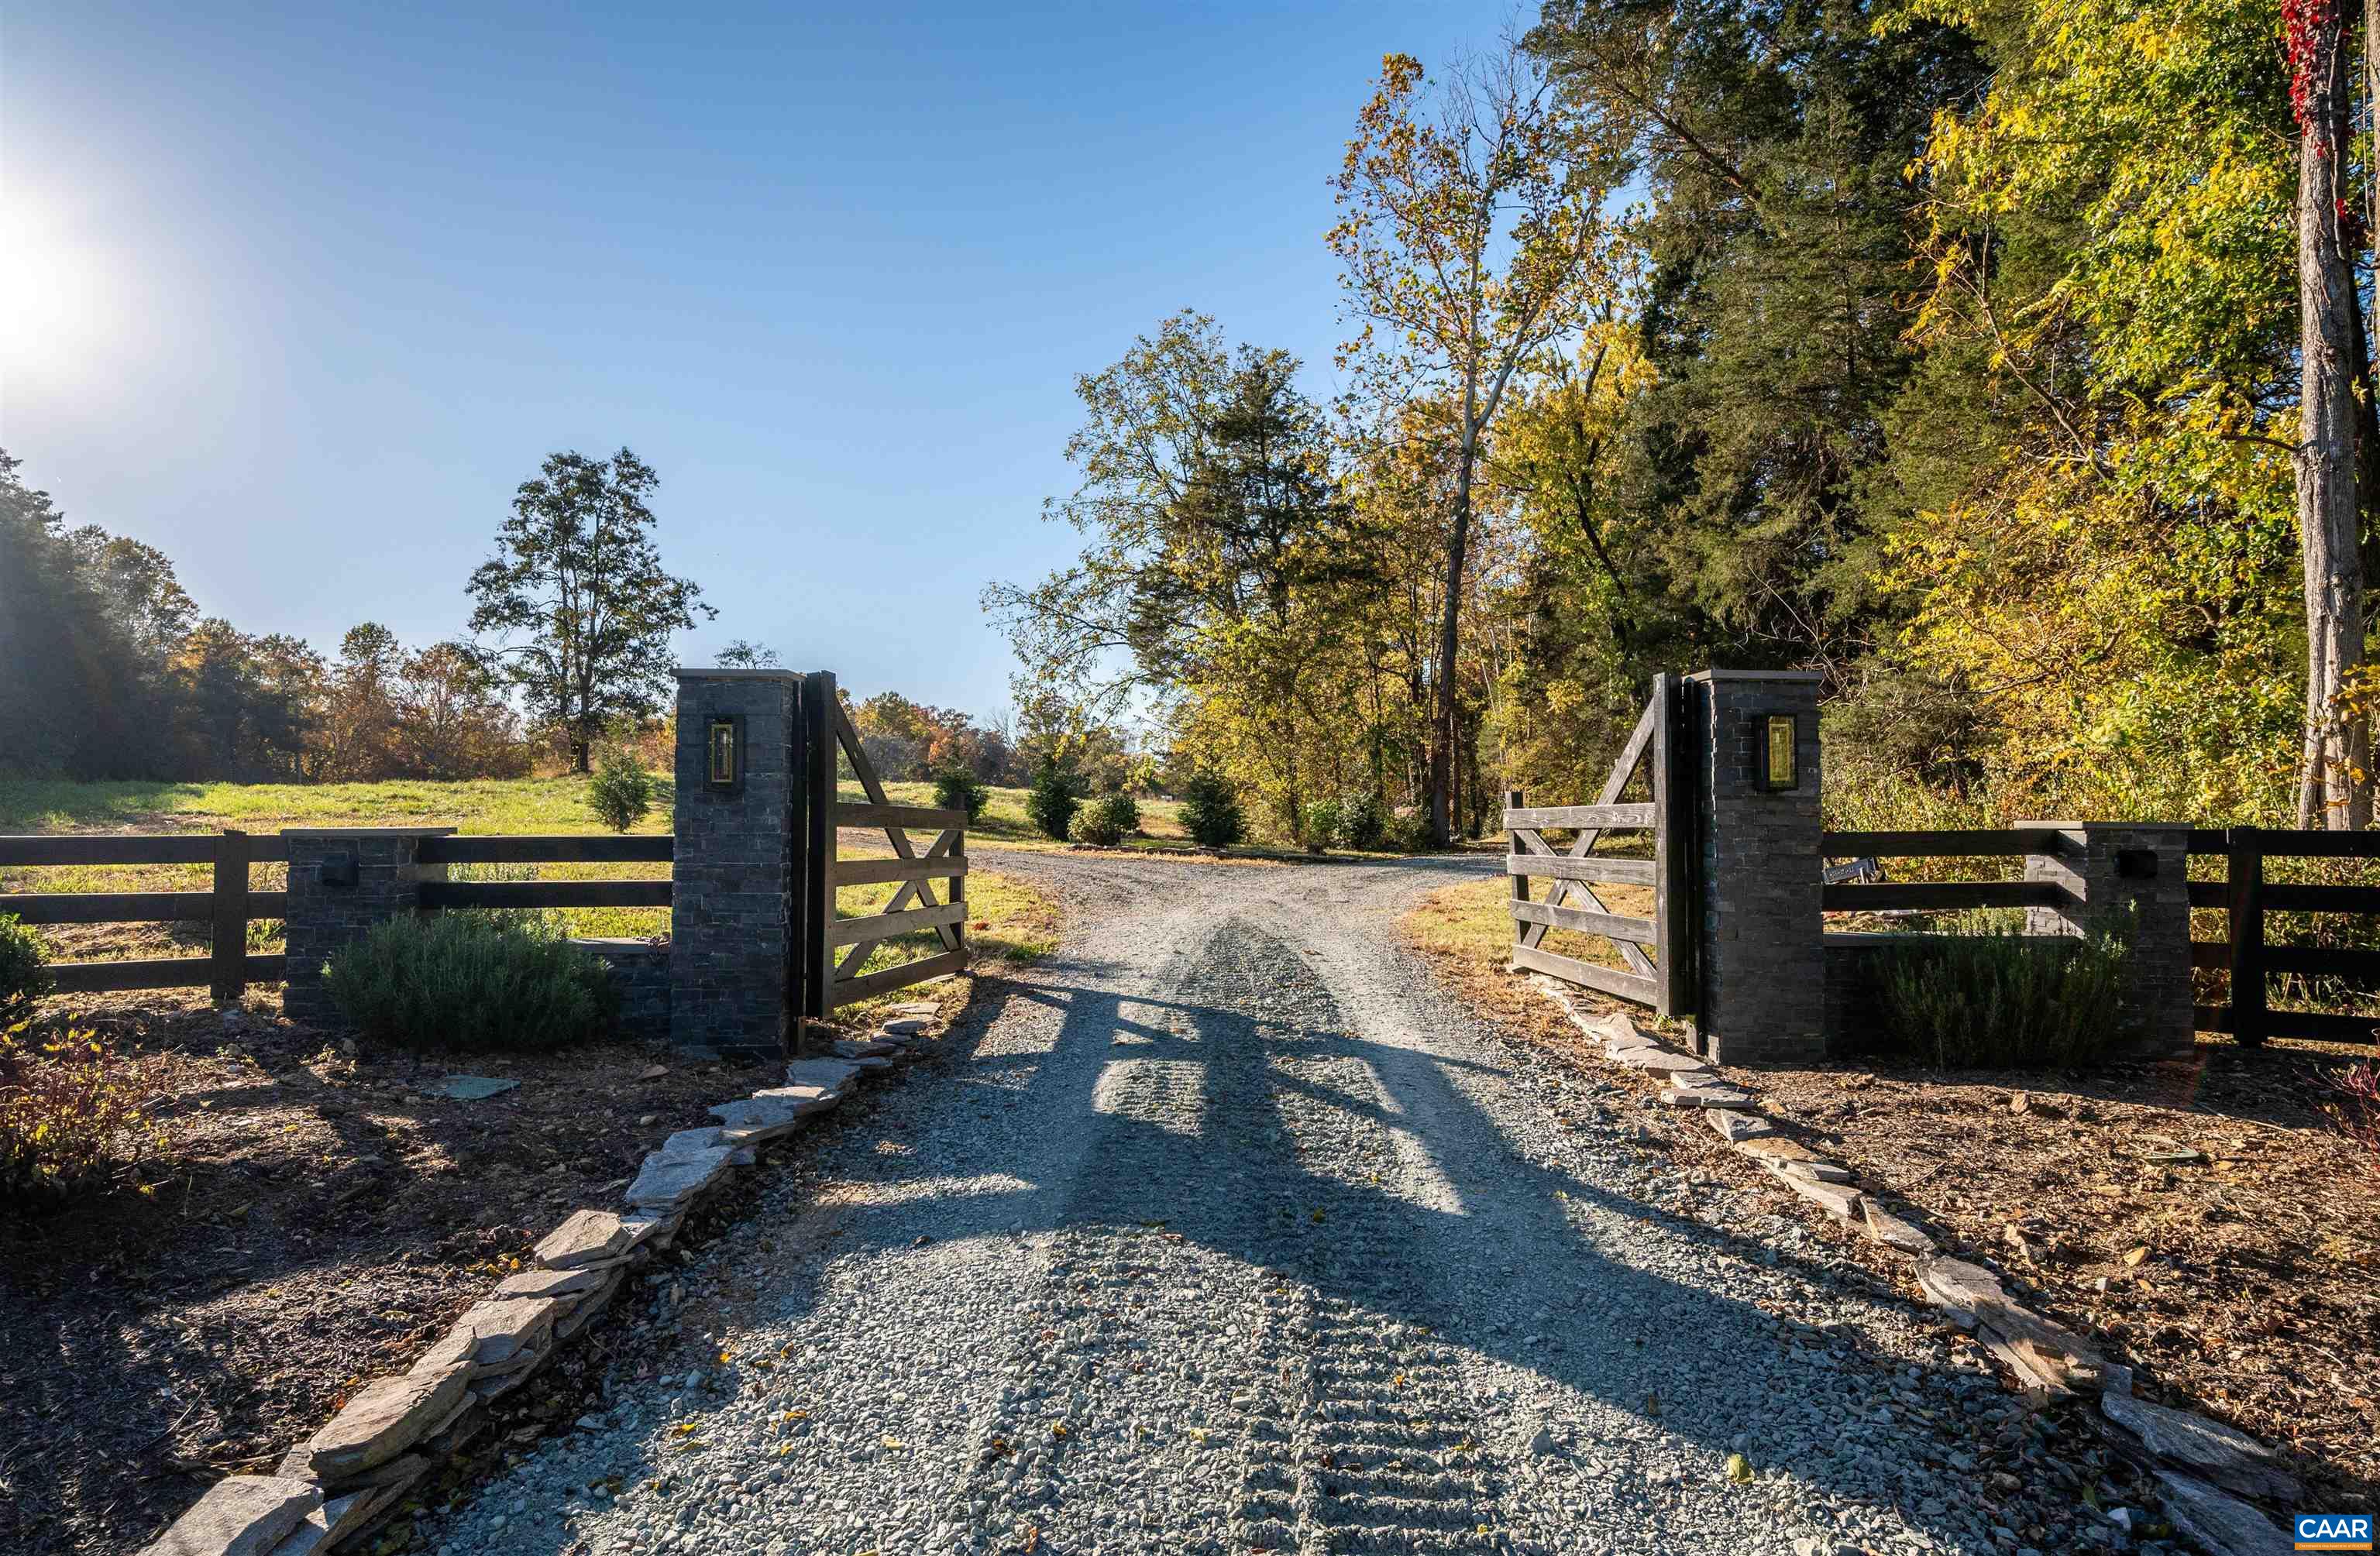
(587, 1237)
(239, 1515)
(1310, 1268)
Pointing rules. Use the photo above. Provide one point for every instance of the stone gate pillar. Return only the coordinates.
(733, 909)
(1754, 738)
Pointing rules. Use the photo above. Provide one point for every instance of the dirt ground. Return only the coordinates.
(322, 1215)
(2245, 1285)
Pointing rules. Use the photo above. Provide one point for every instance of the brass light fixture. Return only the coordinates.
(722, 745)
(1780, 767)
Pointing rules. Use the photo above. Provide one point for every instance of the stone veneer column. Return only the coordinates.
(343, 881)
(732, 911)
(2112, 870)
(1763, 972)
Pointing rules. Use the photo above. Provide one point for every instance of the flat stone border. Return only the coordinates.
(2203, 1468)
(351, 1475)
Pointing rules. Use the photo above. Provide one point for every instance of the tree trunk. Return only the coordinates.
(2336, 749)
(581, 751)
(1443, 740)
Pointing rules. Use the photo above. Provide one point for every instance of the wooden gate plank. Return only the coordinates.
(1611, 927)
(1633, 817)
(865, 770)
(1610, 980)
(1606, 868)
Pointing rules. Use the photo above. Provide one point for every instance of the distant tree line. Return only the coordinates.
(111, 672)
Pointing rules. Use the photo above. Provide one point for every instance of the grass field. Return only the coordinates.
(1007, 917)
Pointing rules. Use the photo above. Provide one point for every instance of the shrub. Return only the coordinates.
(70, 1115)
(1053, 799)
(23, 978)
(1323, 819)
(1999, 998)
(2357, 1111)
(956, 789)
(1363, 823)
(1108, 821)
(621, 791)
(1408, 831)
(465, 979)
(1210, 811)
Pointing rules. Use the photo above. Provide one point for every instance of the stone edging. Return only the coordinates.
(2203, 1468)
(351, 1473)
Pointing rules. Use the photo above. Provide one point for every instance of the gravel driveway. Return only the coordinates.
(1222, 1230)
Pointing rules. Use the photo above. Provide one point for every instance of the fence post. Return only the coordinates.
(227, 939)
(1673, 847)
(2244, 897)
(818, 705)
(1520, 883)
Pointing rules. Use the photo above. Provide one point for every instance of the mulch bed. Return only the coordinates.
(319, 1218)
(2247, 1286)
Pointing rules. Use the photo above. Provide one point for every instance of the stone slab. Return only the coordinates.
(669, 1182)
(1823, 1172)
(687, 1142)
(472, 1088)
(1688, 1094)
(1894, 1233)
(906, 1025)
(500, 1330)
(1733, 1126)
(1838, 1200)
(239, 1515)
(650, 1227)
(831, 1075)
(328, 1524)
(1658, 1061)
(389, 1414)
(585, 1239)
(1776, 1148)
(2218, 1520)
(2229, 1457)
(556, 1282)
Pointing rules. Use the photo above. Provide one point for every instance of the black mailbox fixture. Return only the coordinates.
(339, 871)
(1777, 766)
(724, 752)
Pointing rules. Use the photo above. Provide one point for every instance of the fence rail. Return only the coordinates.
(1939, 897)
(231, 905)
(2245, 899)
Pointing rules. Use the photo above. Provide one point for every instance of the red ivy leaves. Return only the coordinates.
(2309, 30)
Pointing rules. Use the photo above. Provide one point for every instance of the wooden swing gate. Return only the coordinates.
(831, 949)
(1664, 979)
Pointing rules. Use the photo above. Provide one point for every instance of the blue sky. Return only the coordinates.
(300, 295)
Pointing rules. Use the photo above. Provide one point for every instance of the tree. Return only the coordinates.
(2334, 774)
(747, 655)
(578, 586)
(1472, 232)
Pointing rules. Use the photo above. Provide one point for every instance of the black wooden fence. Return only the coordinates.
(2246, 896)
